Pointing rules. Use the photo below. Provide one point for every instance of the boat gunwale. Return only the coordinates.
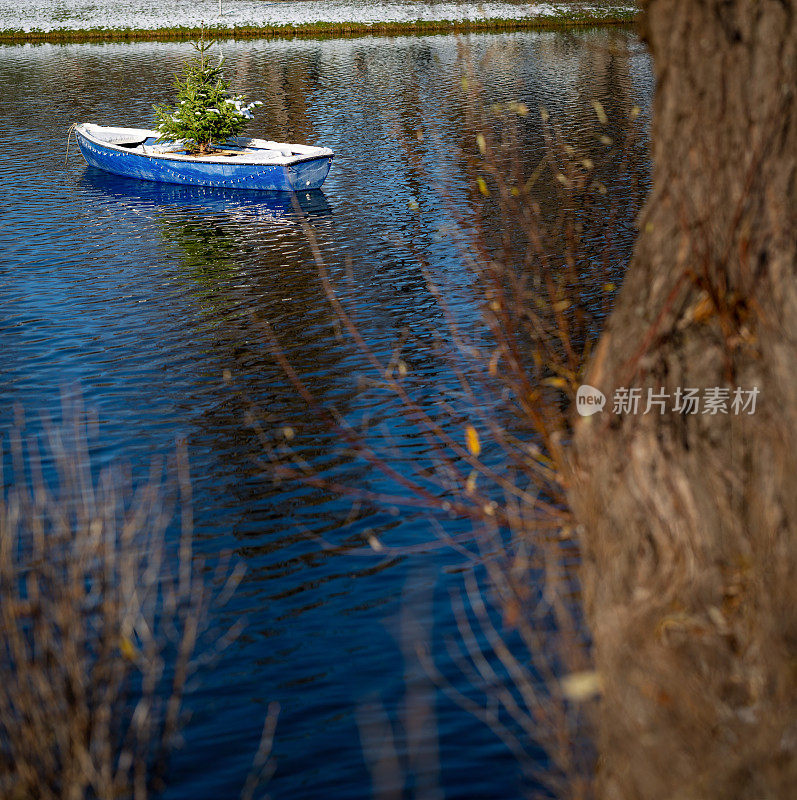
(282, 161)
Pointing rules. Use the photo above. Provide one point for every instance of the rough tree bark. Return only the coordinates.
(688, 521)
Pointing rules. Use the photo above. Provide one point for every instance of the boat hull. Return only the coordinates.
(307, 173)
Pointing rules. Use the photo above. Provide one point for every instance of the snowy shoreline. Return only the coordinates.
(34, 19)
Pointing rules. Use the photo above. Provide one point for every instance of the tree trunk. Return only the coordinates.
(688, 520)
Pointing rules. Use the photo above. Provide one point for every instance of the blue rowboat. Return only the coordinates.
(239, 163)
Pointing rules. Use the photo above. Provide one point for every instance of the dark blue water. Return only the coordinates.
(152, 302)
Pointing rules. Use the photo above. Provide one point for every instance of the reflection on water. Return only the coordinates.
(141, 196)
(155, 300)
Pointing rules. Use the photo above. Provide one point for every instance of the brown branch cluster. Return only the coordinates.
(101, 622)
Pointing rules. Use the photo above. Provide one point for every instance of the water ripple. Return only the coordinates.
(146, 295)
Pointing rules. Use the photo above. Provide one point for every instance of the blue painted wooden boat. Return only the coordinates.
(239, 163)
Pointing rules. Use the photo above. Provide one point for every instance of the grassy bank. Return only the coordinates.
(288, 19)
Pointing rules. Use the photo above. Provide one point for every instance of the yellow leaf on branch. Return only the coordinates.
(580, 686)
(127, 648)
(600, 112)
(559, 383)
(472, 441)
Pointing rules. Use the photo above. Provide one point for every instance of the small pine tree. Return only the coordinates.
(205, 112)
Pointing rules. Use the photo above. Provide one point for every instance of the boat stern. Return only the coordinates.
(310, 173)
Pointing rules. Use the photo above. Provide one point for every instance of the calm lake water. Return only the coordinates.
(143, 296)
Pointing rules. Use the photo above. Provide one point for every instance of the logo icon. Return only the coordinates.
(589, 400)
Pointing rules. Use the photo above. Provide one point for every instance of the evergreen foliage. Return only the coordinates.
(205, 111)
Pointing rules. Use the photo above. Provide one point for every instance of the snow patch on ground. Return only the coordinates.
(65, 15)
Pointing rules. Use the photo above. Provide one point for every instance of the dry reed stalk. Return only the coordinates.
(102, 618)
(522, 646)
